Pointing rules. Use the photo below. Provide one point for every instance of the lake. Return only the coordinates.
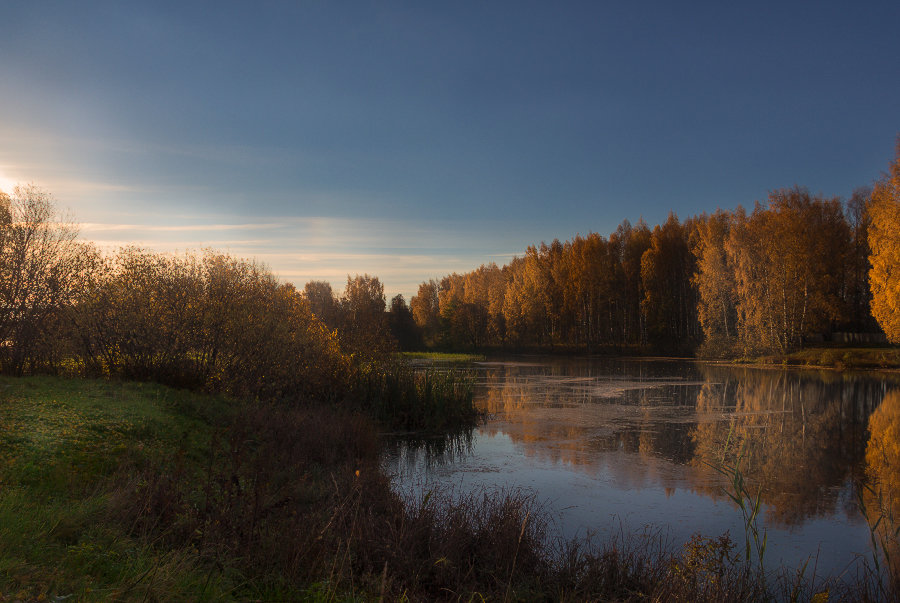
(616, 447)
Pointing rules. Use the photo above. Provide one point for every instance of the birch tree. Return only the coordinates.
(884, 240)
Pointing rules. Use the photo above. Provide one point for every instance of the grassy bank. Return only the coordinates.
(69, 450)
(836, 357)
(137, 492)
(451, 357)
(130, 491)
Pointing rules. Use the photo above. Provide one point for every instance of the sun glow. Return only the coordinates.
(7, 184)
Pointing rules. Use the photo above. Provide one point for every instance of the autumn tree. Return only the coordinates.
(364, 330)
(630, 243)
(669, 304)
(260, 336)
(884, 240)
(857, 292)
(492, 290)
(212, 322)
(588, 290)
(464, 309)
(764, 281)
(714, 280)
(524, 307)
(555, 270)
(43, 268)
(5, 213)
(457, 328)
(403, 326)
(425, 308)
(323, 302)
(142, 318)
(788, 258)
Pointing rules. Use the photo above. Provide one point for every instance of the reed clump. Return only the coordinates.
(406, 398)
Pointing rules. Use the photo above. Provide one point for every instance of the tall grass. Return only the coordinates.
(409, 399)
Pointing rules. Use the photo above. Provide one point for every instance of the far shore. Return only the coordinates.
(836, 357)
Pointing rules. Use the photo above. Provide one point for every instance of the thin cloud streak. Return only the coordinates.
(402, 254)
(320, 232)
(99, 227)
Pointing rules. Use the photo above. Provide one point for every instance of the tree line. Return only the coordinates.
(796, 268)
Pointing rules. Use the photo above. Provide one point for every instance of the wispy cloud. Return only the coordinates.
(314, 232)
(299, 249)
(100, 227)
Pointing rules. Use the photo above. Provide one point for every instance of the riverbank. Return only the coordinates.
(836, 356)
(448, 357)
(830, 356)
(133, 491)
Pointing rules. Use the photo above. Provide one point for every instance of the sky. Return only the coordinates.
(408, 140)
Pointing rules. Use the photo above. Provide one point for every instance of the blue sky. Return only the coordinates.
(408, 140)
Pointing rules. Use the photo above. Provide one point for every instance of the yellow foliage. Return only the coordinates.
(884, 240)
(787, 258)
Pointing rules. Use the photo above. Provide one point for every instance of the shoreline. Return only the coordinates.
(834, 358)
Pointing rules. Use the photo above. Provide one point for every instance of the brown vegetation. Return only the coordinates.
(213, 322)
(43, 269)
(295, 498)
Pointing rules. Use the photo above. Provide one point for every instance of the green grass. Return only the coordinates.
(442, 356)
(837, 357)
(61, 443)
(134, 491)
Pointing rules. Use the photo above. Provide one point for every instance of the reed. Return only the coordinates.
(750, 504)
(405, 398)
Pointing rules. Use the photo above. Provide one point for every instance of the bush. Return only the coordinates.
(211, 322)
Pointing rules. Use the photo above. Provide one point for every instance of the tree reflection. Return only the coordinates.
(881, 497)
(798, 437)
(593, 416)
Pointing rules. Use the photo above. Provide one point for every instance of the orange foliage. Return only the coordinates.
(884, 239)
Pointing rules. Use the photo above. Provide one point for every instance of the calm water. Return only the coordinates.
(614, 446)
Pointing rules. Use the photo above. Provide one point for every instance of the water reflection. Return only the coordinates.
(881, 497)
(801, 436)
(415, 450)
(643, 437)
